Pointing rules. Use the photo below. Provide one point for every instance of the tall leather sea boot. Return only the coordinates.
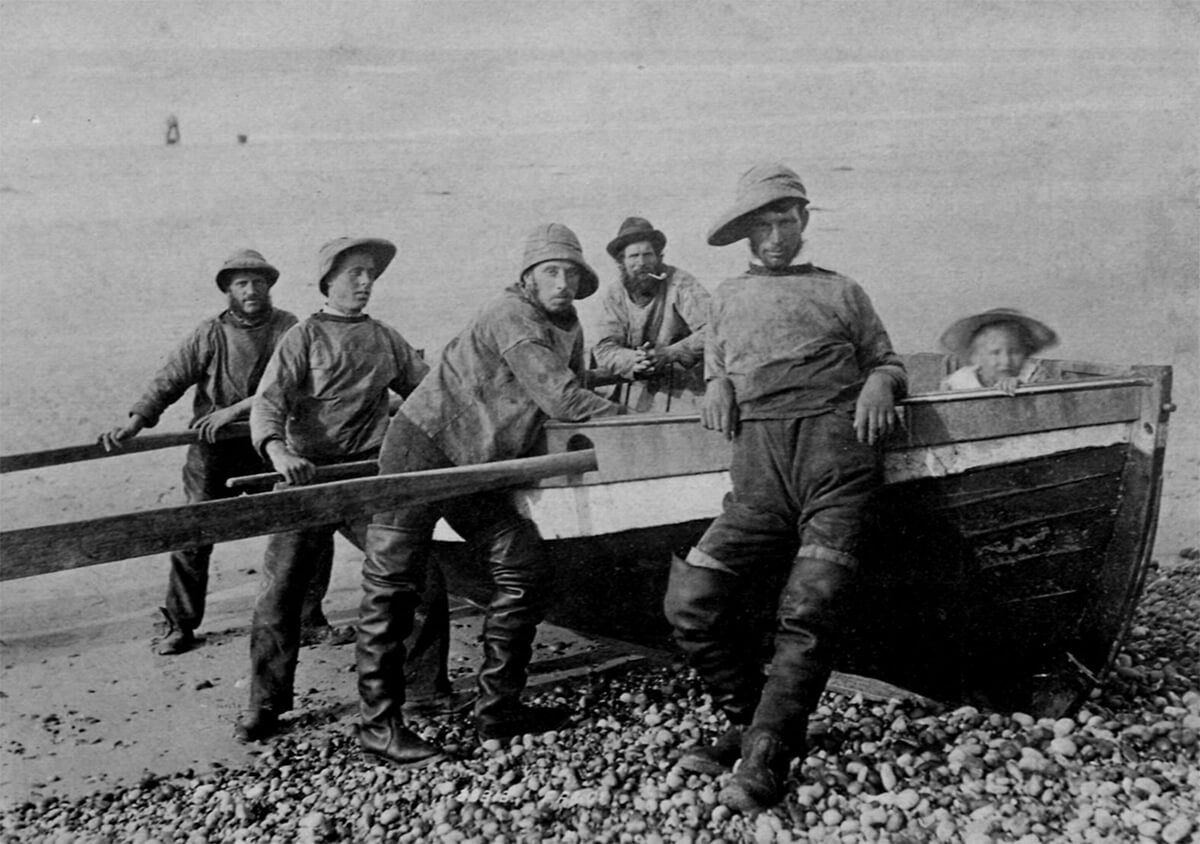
(393, 575)
(521, 578)
(701, 606)
(806, 638)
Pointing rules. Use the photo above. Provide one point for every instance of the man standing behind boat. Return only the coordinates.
(652, 334)
(223, 358)
(802, 376)
(323, 399)
(518, 363)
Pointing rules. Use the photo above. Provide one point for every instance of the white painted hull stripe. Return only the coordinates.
(574, 512)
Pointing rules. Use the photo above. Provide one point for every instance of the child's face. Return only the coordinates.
(999, 353)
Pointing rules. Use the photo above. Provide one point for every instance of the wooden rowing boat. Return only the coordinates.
(1012, 540)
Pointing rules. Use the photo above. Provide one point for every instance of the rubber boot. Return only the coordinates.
(758, 783)
(702, 604)
(715, 758)
(393, 578)
(521, 580)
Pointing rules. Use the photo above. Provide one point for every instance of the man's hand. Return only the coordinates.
(208, 426)
(113, 439)
(875, 414)
(295, 469)
(720, 411)
(652, 360)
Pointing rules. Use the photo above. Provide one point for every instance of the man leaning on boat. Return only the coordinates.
(223, 358)
(802, 376)
(519, 362)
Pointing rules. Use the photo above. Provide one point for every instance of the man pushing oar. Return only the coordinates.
(223, 358)
(518, 363)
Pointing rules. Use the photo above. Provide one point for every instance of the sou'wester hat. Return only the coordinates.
(959, 336)
(383, 251)
(556, 242)
(759, 186)
(635, 230)
(249, 260)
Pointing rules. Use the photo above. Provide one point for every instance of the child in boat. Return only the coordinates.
(1000, 345)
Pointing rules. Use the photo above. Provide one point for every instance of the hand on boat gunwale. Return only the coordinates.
(208, 426)
(719, 411)
(113, 439)
(295, 469)
(875, 413)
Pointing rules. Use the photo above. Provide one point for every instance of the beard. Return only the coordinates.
(640, 285)
(263, 313)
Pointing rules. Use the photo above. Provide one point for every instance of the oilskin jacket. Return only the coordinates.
(512, 368)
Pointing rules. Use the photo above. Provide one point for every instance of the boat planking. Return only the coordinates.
(1009, 545)
(1008, 549)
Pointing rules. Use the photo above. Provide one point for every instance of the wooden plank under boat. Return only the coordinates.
(1012, 540)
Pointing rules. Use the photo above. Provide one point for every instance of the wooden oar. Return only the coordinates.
(58, 547)
(94, 451)
(325, 474)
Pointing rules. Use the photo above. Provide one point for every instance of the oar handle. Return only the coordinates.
(94, 451)
(325, 474)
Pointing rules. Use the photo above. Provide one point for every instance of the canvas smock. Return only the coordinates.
(325, 391)
(497, 382)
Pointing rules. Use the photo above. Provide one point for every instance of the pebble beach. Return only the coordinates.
(1038, 156)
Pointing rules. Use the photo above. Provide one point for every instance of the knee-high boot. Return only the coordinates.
(393, 578)
(702, 606)
(521, 576)
(806, 638)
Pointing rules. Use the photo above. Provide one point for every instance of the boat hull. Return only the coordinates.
(1008, 546)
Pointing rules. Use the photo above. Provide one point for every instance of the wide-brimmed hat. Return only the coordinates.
(556, 242)
(249, 260)
(759, 186)
(635, 230)
(383, 251)
(959, 336)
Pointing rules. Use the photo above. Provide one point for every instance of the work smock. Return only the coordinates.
(325, 391)
(224, 358)
(513, 367)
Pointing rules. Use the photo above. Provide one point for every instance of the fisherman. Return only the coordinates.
(323, 399)
(652, 334)
(223, 358)
(802, 377)
(519, 362)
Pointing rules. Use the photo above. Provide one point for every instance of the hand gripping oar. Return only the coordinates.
(324, 475)
(37, 550)
(94, 451)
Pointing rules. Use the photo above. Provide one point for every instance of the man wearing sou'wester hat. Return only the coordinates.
(223, 358)
(652, 332)
(324, 398)
(518, 363)
(802, 377)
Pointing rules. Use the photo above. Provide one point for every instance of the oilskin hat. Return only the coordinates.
(958, 337)
(556, 242)
(245, 259)
(635, 230)
(759, 186)
(383, 251)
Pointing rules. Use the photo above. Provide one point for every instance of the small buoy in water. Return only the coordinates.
(242, 139)
(172, 130)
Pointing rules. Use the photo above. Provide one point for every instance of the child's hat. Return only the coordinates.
(959, 336)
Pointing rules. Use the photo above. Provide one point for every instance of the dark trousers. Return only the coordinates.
(293, 565)
(206, 469)
(397, 570)
(801, 492)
